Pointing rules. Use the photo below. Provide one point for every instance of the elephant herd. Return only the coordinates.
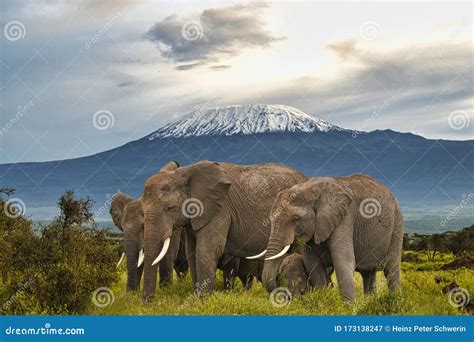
(266, 221)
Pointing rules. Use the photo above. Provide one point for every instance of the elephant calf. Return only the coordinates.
(292, 274)
(127, 215)
(353, 223)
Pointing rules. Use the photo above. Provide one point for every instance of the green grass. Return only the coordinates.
(420, 296)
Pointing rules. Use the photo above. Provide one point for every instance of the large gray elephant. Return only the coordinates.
(227, 205)
(127, 215)
(353, 223)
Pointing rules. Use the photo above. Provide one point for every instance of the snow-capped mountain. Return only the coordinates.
(243, 119)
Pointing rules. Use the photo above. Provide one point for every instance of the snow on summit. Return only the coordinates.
(242, 119)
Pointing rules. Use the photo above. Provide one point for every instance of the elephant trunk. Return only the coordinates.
(155, 235)
(270, 268)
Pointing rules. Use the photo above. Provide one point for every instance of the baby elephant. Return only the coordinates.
(293, 275)
(127, 215)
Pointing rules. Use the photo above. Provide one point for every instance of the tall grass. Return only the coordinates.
(420, 295)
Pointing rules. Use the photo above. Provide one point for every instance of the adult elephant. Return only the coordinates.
(127, 215)
(227, 205)
(353, 223)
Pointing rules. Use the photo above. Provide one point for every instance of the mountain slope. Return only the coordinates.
(422, 173)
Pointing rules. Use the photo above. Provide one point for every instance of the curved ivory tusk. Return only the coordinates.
(162, 254)
(141, 257)
(276, 256)
(120, 261)
(257, 256)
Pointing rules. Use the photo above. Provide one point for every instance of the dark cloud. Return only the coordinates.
(344, 49)
(215, 33)
(183, 67)
(219, 67)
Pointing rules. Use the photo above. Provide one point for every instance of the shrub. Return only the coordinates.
(55, 269)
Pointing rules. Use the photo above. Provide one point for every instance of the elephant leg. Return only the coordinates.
(315, 268)
(392, 274)
(341, 247)
(166, 271)
(210, 245)
(229, 275)
(247, 281)
(191, 255)
(392, 267)
(369, 278)
(181, 263)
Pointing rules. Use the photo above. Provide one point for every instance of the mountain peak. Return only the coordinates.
(242, 119)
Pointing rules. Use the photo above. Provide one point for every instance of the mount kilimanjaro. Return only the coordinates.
(422, 173)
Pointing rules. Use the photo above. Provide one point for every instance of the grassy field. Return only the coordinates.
(420, 296)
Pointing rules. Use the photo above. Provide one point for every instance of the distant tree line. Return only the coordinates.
(53, 269)
(460, 243)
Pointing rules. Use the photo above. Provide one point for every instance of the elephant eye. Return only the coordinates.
(295, 219)
(170, 207)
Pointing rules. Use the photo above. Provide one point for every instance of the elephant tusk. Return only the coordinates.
(276, 256)
(120, 261)
(257, 256)
(141, 257)
(166, 245)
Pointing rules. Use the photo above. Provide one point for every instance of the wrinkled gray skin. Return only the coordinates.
(325, 213)
(245, 270)
(235, 202)
(127, 215)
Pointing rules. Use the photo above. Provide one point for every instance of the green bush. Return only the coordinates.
(55, 269)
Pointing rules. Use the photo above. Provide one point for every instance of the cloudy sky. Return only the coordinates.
(140, 64)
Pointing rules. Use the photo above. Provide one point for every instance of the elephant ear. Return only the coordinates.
(331, 206)
(171, 166)
(117, 208)
(207, 185)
